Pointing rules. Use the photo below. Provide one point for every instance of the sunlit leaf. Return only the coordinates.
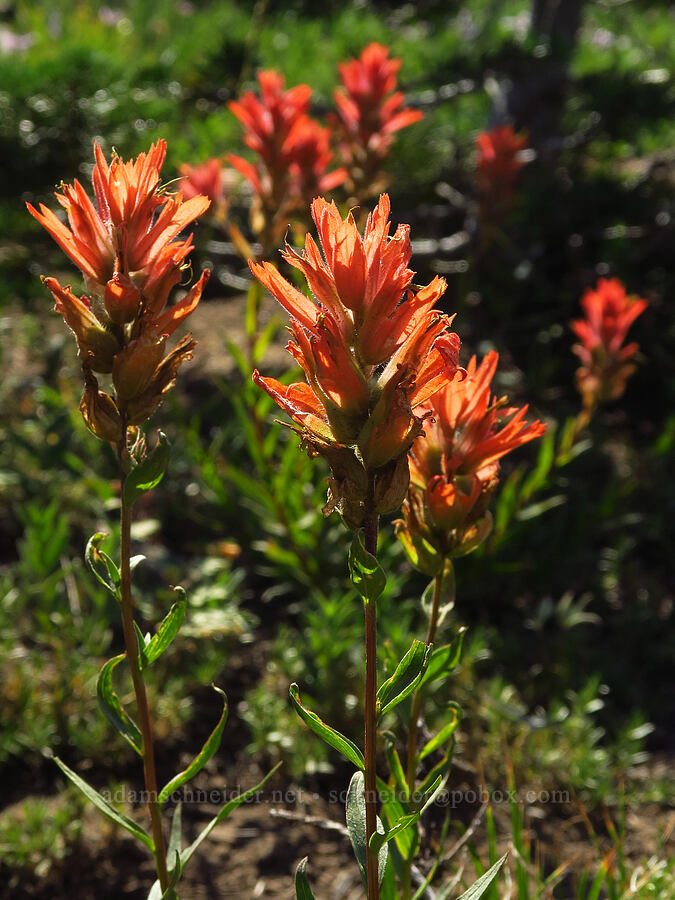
(113, 710)
(198, 763)
(329, 735)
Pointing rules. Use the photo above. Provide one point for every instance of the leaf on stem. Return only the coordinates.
(444, 659)
(356, 826)
(406, 677)
(377, 841)
(105, 807)
(148, 474)
(104, 569)
(302, 889)
(445, 733)
(113, 710)
(366, 573)
(198, 763)
(150, 650)
(329, 735)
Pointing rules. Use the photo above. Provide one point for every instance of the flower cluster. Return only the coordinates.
(454, 466)
(369, 357)
(498, 164)
(293, 152)
(369, 112)
(605, 363)
(131, 256)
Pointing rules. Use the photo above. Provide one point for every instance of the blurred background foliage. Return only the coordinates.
(567, 670)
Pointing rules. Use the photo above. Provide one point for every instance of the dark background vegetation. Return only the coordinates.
(567, 674)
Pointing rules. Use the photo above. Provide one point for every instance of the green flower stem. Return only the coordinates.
(370, 526)
(415, 713)
(139, 685)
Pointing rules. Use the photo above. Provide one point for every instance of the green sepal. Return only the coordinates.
(187, 854)
(377, 841)
(104, 569)
(479, 887)
(366, 573)
(444, 734)
(444, 659)
(405, 678)
(105, 807)
(356, 826)
(147, 474)
(302, 889)
(198, 763)
(113, 710)
(329, 735)
(151, 650)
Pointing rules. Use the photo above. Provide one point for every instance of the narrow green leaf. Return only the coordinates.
(187, 854)
(395, 764)
(113, 710)
(166, 632)
(356, 826)
(176, 833)
(479, 887)
(302, 889)
(329, 735)
(148, 474)
(365, 571)
(445, 733)
(406, 677)
(377, 841)
(106, 808)
(201, 759)
(444, 659)
(104, 569)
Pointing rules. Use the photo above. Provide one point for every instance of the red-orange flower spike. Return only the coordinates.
(128, 250)
(454, 465)
(368, 109)
(369, 112)
(293, 153)
(499, 158)
(356, 323)
(606, 364)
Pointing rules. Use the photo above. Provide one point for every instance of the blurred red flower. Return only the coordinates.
(605, 363)
(369, 112)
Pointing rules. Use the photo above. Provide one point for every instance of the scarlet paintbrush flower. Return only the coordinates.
(370, 358)
(128, 250)
(605, 363)
(369, 112)
(292, 153)
(454, 465)
(499, 159)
